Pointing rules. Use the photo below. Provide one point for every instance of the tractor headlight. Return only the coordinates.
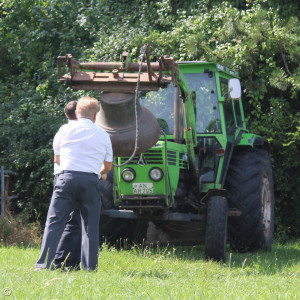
(156, 174)
(128, 174)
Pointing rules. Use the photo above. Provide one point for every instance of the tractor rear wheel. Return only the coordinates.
(250, 189)
(216, 229)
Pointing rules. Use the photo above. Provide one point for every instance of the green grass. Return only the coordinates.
(157, 273)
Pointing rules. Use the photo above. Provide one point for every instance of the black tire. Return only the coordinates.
(123, 232)
(107, 196)
(250, 189)
(110, 228)
(136, 232)
(216, 229)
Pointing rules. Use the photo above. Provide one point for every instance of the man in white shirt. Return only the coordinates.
(84, 153)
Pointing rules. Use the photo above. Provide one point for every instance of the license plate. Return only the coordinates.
(142, 188)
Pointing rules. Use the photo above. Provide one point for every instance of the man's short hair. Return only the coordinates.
(70, 110)
(87, 107)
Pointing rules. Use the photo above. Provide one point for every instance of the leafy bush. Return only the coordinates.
(14, 231)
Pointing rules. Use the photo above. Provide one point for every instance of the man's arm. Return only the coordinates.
(106, 167)
(57, 159)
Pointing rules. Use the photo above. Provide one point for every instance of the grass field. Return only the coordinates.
(157, 273)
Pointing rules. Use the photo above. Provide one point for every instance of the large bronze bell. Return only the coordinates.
(117, 118)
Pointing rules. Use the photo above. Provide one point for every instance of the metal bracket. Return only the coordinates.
(118, 77)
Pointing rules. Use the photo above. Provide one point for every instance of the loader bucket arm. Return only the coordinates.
(118, 76)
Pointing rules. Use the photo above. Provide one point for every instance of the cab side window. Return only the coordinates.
(227, 105)
(238, 114)
(229, 116)
(224, 88)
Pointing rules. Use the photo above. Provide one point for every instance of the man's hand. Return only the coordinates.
(106, 167)
(103, 176)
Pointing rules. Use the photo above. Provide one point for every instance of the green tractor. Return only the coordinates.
(186, 169)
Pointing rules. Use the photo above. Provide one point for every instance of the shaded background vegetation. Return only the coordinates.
(259, 38)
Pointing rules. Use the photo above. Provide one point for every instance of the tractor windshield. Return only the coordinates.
(208, 115)
(161, 104)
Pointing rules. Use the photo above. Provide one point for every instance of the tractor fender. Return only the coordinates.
(253, 140)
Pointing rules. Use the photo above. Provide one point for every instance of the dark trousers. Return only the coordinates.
(71, 189)
(68, 253)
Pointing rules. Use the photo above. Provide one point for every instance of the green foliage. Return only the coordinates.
(259, 38)
(13, 231)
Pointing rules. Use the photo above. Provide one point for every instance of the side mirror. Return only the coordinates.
(234, 88)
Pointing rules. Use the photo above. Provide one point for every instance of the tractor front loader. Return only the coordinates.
(186, 169)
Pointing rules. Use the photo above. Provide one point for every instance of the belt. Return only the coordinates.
(79, 173)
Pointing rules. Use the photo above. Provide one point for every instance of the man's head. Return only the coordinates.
(70, 110)
(87, 107)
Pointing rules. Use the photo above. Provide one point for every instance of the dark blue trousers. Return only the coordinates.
(68, 253)
(73, 189)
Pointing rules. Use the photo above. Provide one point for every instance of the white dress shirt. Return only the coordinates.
(57, 168)
(82, 146)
